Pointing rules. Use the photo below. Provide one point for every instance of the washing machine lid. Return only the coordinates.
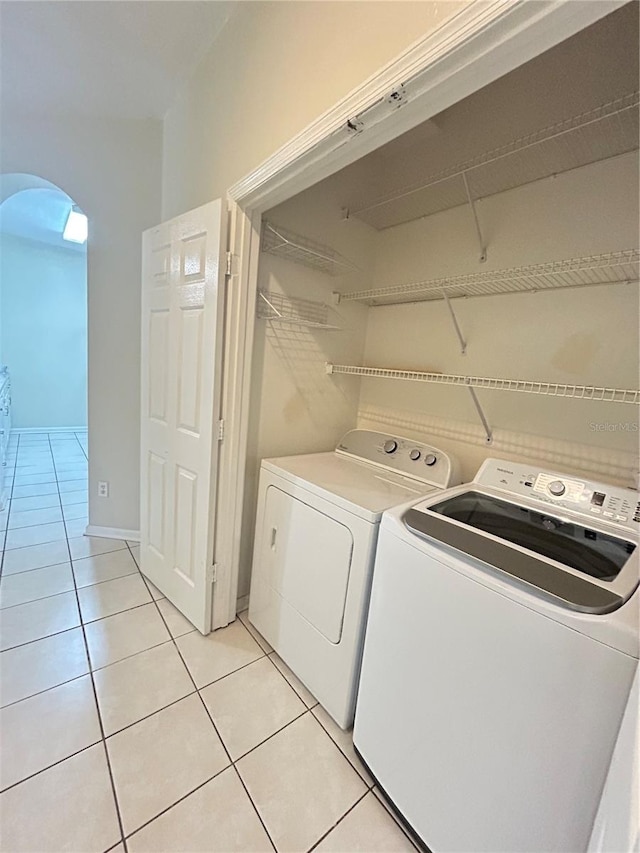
(568, 539)
(591, 552)
(358, 487)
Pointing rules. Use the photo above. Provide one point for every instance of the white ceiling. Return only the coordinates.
(102, 58)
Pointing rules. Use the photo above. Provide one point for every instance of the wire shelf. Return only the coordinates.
(525, 386)
(293, 311)
(605, 131)
(609, 268)
(293, 247)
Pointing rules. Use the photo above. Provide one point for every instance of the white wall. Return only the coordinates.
(276, 68)
(43, 292)
(111, 168)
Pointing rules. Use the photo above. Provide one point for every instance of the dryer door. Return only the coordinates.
(308, 558)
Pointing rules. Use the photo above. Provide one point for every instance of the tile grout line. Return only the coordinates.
(93, 685)
(86, 455)
(180, 800)
(46, 690)
(64, 563)
(387, 806)
(65, 591)
(370, 786)
(255, 808)
(48, 542)
(33, 600)
(339, 821)
(37, 523)
(207, 712)
(50, 565)
(272, 735)
(9, 499)
(309, 707)
(71, 627)
(89, 668)
(55, 763)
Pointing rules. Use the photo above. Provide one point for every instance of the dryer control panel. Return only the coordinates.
(614, 504)
(401, 455)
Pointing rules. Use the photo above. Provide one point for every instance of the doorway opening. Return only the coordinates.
(43, 354)
(477, 47)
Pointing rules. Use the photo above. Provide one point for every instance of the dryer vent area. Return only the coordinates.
(472, 284)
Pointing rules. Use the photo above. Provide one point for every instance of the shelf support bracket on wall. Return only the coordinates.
(483, 248)
(481, 414)
(454, 319)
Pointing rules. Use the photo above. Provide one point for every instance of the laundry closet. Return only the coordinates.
(473, 283)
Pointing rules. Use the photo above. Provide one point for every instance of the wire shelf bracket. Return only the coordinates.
(456, 326)
(472, 205)
(481, 414)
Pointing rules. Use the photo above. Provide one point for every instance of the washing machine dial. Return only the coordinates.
(557, 488)
(390, 446)
(430, 459)
(415, 454)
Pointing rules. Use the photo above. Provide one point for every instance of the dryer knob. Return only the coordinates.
(430, 459)
(415, 454)
(390, 446)
(557, 488)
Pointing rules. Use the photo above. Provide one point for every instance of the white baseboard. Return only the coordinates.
(27, 430)
(242, 603)
(112, 532)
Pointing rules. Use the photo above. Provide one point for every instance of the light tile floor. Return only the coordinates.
(122, 728)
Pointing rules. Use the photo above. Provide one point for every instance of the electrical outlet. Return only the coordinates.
(103, 489)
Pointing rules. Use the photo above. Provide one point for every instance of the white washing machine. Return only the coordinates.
(315, 541)
(501, 645)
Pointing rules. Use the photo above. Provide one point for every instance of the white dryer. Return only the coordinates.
(501, 645)
(315, 541)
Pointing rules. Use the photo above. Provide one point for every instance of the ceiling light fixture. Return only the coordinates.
(76, 228)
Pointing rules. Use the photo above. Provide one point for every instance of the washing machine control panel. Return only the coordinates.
(613, 504)
(402, 455)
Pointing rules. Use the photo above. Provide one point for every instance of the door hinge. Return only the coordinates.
(220, 430)
(212, 573)
(231, 265)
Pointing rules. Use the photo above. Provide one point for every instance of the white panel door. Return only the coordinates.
(182, 322)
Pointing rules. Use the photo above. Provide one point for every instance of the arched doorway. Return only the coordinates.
(43, 337)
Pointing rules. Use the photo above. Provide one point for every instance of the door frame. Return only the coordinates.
(482, 42)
